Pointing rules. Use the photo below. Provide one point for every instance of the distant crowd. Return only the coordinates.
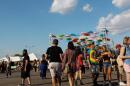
(75, 61)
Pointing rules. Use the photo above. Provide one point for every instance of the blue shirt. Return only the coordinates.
(127, 61)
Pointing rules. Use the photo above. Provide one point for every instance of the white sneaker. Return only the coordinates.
(122, 83)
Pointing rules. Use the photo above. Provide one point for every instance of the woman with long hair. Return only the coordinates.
(107, 66)
(79, 65)
(125, 56)
(69, 61)
(26, 68)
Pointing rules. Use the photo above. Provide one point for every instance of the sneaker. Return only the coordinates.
(121, 83)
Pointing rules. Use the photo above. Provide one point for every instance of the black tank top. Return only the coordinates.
(106, 57)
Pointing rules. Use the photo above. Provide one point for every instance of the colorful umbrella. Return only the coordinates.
(68, 39)
(62, 35)
(101, 35)
(72, 34)
(68, 35)
(85, 34)
(90, 32)
(75, 39)
(83, 37)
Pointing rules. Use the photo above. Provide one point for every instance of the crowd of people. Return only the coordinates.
(5, 67)
(99, 58)
(75, 60)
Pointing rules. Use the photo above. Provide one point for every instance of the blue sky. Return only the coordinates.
(27, 23)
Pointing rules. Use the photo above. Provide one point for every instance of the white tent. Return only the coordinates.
(3, 59)
(15, 58)
(33, 57)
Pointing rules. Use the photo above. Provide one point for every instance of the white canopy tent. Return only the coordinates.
(3, 59)
(17, 58)
(33, 57)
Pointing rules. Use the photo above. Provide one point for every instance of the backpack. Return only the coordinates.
(91, 59)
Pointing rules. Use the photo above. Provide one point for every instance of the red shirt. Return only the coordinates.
(79, 61)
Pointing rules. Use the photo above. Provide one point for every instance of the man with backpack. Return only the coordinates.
(94, 63)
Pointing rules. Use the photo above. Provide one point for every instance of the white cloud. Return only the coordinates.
(121, 3)
(62, 6)
(115, 23)
(87, 8)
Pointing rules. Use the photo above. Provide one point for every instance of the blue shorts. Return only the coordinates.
(107, 64)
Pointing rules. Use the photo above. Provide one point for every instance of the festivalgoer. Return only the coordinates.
(3, 67)
(54, 54)
(26, 68)
(38, 64)
(125, 55)
(35, 65)
(43, 67)
(79, 65)
(107, 66)
(94, 63)
(70, 62)
(8, 67)
(120, 71)
(99, 52)
(19, 65)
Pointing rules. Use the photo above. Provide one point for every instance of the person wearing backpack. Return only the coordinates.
(94, 63)
(126, 58)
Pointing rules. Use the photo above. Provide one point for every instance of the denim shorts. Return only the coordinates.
(95, 68)
(107, 64)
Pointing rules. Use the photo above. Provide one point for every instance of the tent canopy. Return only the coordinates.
(17, 58)
(33, 57)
